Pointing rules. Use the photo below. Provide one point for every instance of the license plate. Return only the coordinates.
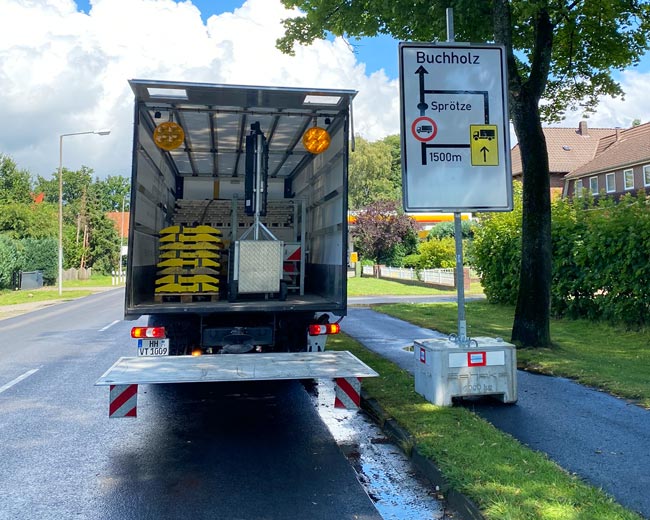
(153, 347)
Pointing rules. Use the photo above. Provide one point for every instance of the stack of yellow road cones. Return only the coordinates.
(190, 259)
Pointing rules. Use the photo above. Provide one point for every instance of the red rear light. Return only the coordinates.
(148, 332)
(327, 328)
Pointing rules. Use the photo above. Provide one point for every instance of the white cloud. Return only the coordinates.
(621, 111)
(64, 71)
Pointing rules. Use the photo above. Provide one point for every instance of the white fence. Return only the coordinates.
(118, 278)
(433, 276)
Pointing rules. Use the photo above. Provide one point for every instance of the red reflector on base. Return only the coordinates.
(148, 332)
(328, 328)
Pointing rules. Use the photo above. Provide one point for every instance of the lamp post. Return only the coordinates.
(98, 132)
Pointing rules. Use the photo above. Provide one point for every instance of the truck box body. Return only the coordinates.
(203, 182)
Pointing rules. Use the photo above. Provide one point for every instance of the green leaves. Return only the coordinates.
(384, 233)
(601, 252)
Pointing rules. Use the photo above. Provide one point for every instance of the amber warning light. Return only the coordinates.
(328, 328)
(148, 332)
(316, 140)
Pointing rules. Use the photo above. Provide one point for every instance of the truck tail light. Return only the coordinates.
(328, 328)
(148, 332)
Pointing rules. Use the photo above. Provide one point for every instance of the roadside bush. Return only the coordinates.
(41, 255)
(447, 229)
(612, 259)
(11, 260)
(496, 251)
(601, 258)
(437, 253)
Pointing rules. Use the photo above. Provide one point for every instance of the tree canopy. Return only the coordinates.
(371, 173)
(561, 51)
(29, 223)
(383, 233)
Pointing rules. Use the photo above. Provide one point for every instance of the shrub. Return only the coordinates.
(496, 252)
(601, 258)
(11, 260)
(447, 229)
(437, 253)
(41, 255)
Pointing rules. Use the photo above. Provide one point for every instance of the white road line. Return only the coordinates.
(109, 326)
(18, 380)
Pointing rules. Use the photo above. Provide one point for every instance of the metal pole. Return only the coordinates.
(259, 150)
(449, 12)
(60, 215)
(122, 235)
(98, 132)
(460, 279)
(458, 230)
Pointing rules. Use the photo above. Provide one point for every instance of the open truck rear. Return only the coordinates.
(238, 241)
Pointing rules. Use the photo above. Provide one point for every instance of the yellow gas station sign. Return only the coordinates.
(484, 145)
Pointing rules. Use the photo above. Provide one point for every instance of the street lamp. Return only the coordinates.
(98, 132)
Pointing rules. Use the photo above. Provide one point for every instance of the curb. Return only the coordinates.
(459, 503)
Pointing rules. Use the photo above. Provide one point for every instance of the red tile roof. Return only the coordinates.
(568, 148)
(121, 221)
(625, 148)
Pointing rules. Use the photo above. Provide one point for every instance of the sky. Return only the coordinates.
(64, 67)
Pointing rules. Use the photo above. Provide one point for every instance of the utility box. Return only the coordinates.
(443, 369)
(31, 280)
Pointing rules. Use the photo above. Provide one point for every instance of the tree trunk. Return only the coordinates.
(532, 315)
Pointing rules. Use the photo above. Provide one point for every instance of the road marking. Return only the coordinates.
(109, 326)
(18, 380)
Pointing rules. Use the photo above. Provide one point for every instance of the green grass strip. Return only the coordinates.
(504, 478)
(39, 295)
(378, 287)
(595, 354)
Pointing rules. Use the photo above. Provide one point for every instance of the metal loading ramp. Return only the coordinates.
(235, 367)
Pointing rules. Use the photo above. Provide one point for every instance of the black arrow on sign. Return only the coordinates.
(422, 106)
(485, 151)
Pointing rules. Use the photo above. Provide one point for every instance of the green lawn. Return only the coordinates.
(598, 355)
(359, 286)
(71, 290)
(504, 478)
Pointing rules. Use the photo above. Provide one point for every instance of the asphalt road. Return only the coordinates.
(601, 438)
(195, 451)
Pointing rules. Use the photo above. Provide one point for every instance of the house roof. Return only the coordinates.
(568, 148)
(624, 148)
(121, 221)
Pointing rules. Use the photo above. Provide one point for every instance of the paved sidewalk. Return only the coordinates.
(603, 439)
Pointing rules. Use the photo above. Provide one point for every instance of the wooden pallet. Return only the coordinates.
(186, 297)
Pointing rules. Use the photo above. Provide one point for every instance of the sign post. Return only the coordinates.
(455, 134)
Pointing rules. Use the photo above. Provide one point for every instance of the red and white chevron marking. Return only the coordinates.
(123, 401)
(348, 393)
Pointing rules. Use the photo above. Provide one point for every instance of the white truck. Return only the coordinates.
(237, 247)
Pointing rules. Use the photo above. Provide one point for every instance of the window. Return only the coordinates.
(628, 177)
(646, 175)
(610, 183)
(577, 188)
(593, 185)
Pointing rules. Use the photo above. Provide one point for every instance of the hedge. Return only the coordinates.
(601, 258)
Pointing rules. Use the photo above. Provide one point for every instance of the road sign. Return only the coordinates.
(483, 140)
(455, 132)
